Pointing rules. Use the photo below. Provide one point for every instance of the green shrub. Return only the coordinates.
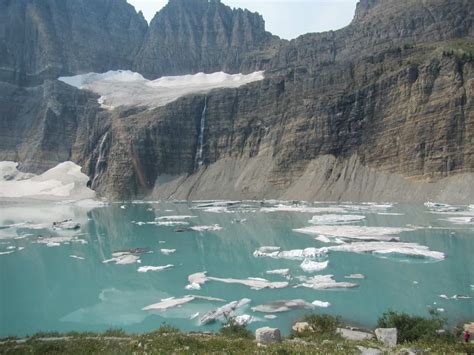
(323, 323)
(234, 330)
(115, 332)
(412, 328)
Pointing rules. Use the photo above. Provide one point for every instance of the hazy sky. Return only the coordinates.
(285, 18)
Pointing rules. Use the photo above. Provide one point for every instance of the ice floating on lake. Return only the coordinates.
(355, 276)
(246, 319)
(154, 268)
(174, 302)
(126, 88)
(173, 218)
(313, 266)
(408, 249)
(213, 228)
(283, 272)
(76, 257)
(296, 254)
(270, 316)
(323, 282)
(321, 304)
(57, 241)
(255, 283)
(335, 219)
(123, 258)
(167, 251)
(455, 297)
(461, 220)
(63, 182)
(302, 209)
(355, 232)
(224, 312)
(7, 252)
(66, 225)
(282, 306)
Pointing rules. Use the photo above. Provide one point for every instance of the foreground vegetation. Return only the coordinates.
(417, 334)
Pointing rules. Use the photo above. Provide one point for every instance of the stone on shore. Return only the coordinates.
(301, 327)
(368, 351)
(355, 335)
(387, 336)
(267, 335)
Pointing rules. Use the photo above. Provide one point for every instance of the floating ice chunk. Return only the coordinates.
(57, 241)
(455, 297)
(169, 223)
(323, 239)
(296, 254)
(167, 251)
(76, 257)
(255, 283)
(223, 312)
(323, 282)
(335, 219)
(217, 210)
(270, 316)
(213, 228)
(173, 218)
(283, 272)
(6, 252)
(461, 220)
(269, 249)
(436, 205)
(194, 316)
(174, 302)
(52, 244)
(302, 209)
(126, 88)
(440, 309)
(313, 266)
(154, 268)
(246, 319)
(355, 232)
(408, 249)
(321, 304)
(471, 207)
(207, 204)
(123, 259)
(415, 282)
(193, 286)
(282, 306)
(67, 225)
(355, 276)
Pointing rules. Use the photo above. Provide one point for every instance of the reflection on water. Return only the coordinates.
(61, 283)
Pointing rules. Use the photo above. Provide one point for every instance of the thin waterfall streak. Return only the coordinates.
(199, 152)
(100, 159)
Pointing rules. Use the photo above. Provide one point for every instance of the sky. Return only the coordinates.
(285, 18)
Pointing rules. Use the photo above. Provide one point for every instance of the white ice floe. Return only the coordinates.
(169, 223)
(218, 210)
(335, 219)
(173, 218)
(63, 182)
(77, 257)
(283, 272)
(455, 297)
(224, 312)
(155, 268)
(212, 228)
(167, 251)
(302, 209)
(368, 207)
(255, 283)
(408, 249)
(270, 316)
(175, 302)
(126, 88)
(282, 306)
(123, 258)
(321, 304)
(246, 319)
(355, 232)
(7, 252)
(296, 254)
(59, 240)
(193, 286)
(461, 220)
(67, 225)
(355, 276)
(313, 266)
(323, 282)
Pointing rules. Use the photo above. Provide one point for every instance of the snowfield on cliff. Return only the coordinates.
(126, 88)
(63, 182)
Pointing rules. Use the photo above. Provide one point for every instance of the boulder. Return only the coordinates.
(387, 336)
(355, 335)
(301, 327)
(368, 351)
(267, 335)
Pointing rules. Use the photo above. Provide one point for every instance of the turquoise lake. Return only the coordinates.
(56, 279)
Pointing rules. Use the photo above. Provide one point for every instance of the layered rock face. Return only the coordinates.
(204, 36)
(380, 110)
(42, 39)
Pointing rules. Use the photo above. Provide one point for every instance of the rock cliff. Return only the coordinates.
(380, 110)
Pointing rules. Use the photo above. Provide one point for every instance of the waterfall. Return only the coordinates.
(100, 159)
(199, 151)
